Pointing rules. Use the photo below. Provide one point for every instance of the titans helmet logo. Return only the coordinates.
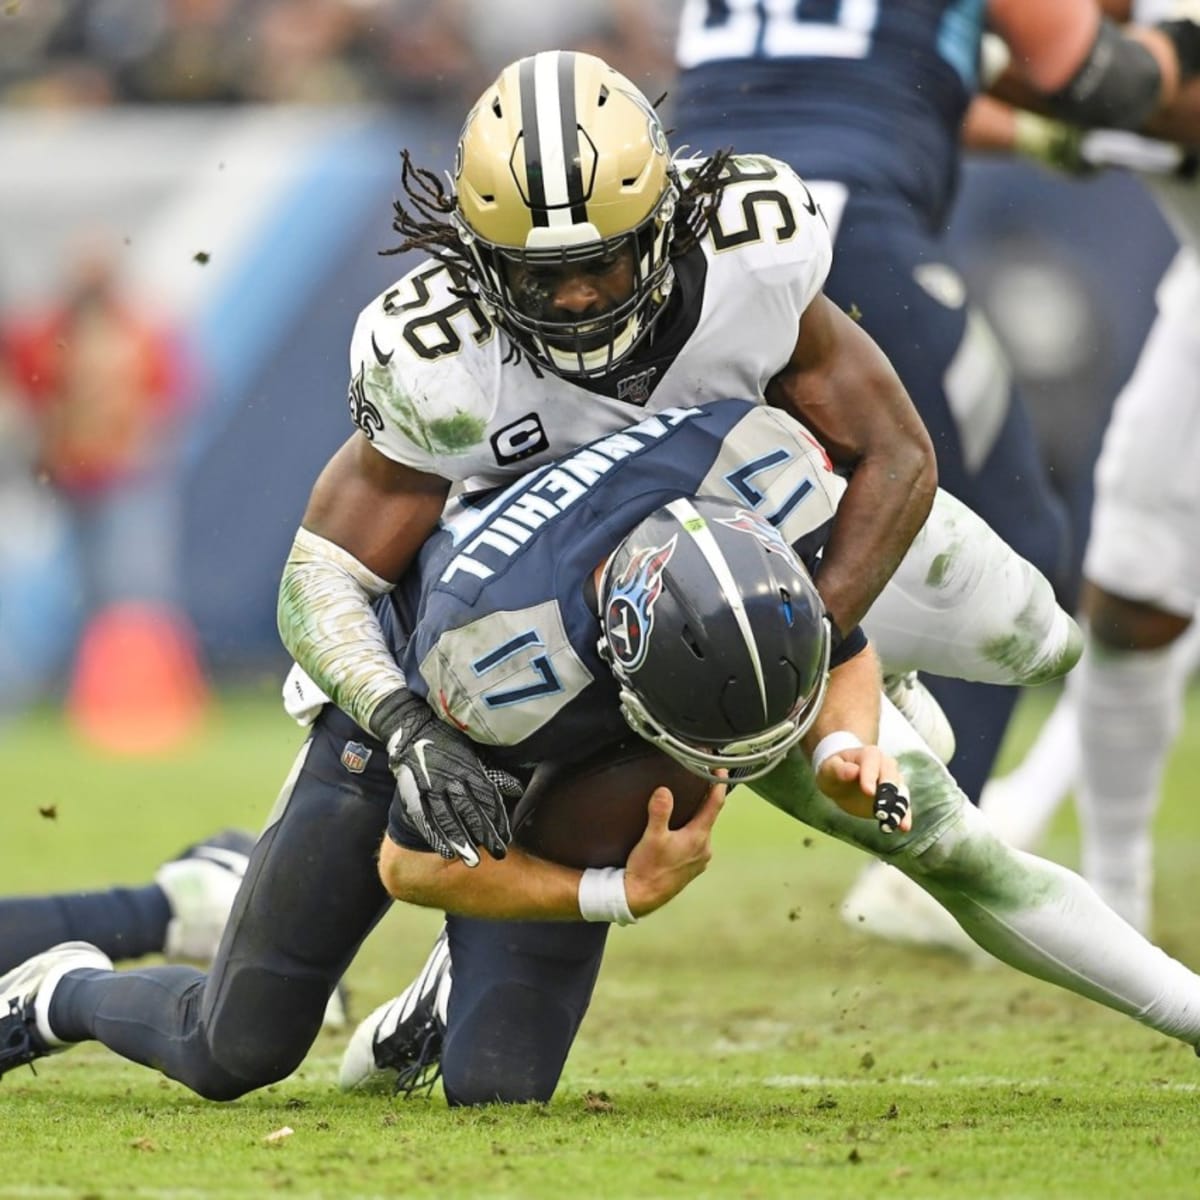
(629, 613)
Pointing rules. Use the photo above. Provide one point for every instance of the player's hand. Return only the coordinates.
(666, 860)
(865, 782)
(448, 795)
(1054, 144)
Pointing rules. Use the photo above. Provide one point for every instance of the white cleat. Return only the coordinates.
(25, 994)
(399, 1046)
(886, 904)
(200, 886)
(918, 707)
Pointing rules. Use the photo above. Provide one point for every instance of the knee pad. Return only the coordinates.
(264, 1027)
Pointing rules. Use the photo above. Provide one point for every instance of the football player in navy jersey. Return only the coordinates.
(712, 510)
(865, 101)
(1113, 728)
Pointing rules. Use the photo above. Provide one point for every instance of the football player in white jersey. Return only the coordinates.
(577, 277)
(1123, 707)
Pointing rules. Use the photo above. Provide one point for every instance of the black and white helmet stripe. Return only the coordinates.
(553, 177)
(695, 527)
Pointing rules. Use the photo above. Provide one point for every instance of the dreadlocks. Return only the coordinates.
(419, 222)
(698, 200)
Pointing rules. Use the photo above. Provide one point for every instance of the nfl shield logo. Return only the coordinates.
(355, 757)
(635, 389)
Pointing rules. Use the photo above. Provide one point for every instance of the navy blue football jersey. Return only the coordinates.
(869, 93)
(501, 601)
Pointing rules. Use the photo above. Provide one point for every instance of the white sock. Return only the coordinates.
(1129, 706)
(1045, 920)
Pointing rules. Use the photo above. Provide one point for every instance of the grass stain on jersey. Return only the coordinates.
(458, 433)
(455, 433)
(938, 569)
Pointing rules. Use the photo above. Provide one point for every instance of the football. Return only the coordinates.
(591, 813)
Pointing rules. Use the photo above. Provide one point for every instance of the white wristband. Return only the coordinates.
(831, 744)
(602, 896)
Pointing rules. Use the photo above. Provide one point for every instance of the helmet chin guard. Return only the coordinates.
(717, 637)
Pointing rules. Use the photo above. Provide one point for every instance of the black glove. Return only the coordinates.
(891, 806)
(448, 796)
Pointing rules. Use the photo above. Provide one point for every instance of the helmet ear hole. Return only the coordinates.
(785, 602)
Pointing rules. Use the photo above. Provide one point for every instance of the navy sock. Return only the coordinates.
(123, 922)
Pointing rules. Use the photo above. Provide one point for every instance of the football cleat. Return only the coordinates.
(919, 708)
(25, 993)
(400, 1044)
(200, 885)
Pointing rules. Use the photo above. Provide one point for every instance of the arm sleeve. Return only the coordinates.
(327, 623)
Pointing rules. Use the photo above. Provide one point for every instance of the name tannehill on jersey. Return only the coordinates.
(431, 387)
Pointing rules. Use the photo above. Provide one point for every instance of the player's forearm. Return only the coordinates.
(327, 624)
(518, 887)
(883, 508)
(842, 387)
(851, 702)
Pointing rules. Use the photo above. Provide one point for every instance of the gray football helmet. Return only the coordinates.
(716, 635)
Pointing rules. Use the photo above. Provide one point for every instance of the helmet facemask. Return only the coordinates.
(743, 760)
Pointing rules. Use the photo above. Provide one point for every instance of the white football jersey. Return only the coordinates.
(434, 384)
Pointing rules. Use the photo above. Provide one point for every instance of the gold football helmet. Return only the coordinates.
(563, 166)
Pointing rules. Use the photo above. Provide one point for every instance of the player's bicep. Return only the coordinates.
(841, 386)
(376, 509)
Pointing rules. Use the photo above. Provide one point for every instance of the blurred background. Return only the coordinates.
(193, 195)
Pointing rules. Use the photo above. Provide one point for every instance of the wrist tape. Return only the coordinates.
(831, 744)
(602, 896)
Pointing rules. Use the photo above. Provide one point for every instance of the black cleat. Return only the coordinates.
(400, 1043)
(25, 1033)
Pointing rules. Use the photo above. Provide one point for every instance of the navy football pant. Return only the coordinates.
(310, 896)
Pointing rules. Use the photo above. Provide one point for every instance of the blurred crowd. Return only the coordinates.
(100, 52)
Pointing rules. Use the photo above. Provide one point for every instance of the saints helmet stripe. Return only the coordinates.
(570, 137)
(548, 117)
(533, 185)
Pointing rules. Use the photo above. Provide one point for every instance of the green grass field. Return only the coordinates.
(742, 1042)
